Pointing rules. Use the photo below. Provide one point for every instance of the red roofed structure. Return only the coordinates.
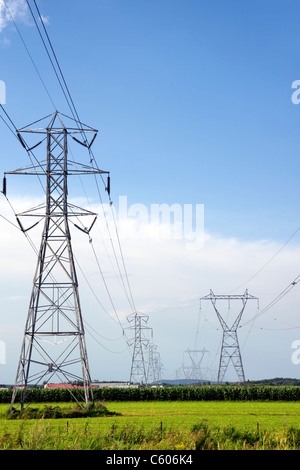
(65, 386)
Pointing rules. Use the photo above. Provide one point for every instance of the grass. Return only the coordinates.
(160, 426)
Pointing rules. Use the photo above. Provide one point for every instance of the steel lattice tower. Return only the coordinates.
(154, 364)
(54, 346)
(195, 371)
(138, 324)
(230, 350)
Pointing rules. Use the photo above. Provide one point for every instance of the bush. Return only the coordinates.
(56, 412)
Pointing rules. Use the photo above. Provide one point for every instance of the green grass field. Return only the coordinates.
(162, 425)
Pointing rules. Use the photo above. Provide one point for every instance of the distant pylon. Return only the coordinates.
(195, 371)
(154, 368)
(230, 350)
(138, 323)
(54, 347)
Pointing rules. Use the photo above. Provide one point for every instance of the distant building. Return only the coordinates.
(52, 386)
(93, 385)
(113, 385)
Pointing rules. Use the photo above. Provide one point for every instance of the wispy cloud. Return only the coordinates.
(12, 10)
(45, 19)
(4, 42)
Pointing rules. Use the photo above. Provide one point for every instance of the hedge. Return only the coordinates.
(204, 393)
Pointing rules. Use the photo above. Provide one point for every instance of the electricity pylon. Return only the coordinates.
(230, 350)
(138, 323)
(154, 364)
(54, 345)
(195, 371)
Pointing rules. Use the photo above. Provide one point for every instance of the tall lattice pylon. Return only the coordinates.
(194, 371)
(230, 350)
(138, 371)
(154, 366)
(54, 346)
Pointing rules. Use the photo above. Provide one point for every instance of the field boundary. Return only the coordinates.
(201, 393)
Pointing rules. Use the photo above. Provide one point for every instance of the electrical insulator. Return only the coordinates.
(108, 185)
(4, 186)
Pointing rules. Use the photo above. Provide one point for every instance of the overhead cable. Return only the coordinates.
(277, 299)
(30, 56)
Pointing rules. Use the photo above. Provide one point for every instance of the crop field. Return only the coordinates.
(164, 425)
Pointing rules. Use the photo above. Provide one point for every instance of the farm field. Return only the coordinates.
(165, 425)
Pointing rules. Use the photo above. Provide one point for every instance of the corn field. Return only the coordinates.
(205, 393)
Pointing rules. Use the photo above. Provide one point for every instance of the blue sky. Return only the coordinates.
(192, 100)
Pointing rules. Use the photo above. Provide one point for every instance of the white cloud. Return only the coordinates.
(45, 19)
(16, 9)
(167, 280)
(5, 42)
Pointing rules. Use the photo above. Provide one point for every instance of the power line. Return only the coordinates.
(54, 309)
(56, 67)
(66, 92)
(35, 250)
(54, 55)
(101, 272)
(10, 120)
(18, 227)
(277, 299)
(30, 56)
(269, 261)
(230, 351)
(129, 296)
(283, 293)
(25, 146)
(29, 152)
(47, 51)
(75, 114)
